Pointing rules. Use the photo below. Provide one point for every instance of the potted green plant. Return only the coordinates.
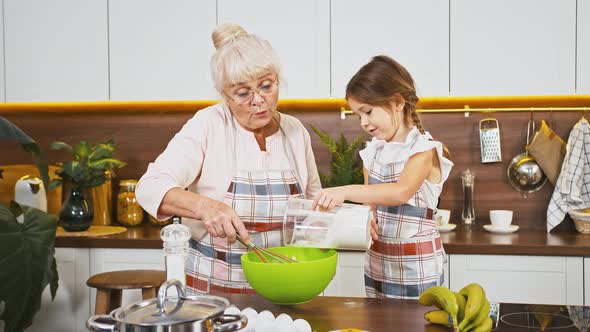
(346, 166)
(86, 170)
(27, 262)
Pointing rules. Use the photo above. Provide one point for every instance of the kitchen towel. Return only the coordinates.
(572, 190)
(548, 149)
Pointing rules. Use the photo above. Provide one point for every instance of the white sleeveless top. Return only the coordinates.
(398, 153)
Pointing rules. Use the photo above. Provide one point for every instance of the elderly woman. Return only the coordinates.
(240, 161)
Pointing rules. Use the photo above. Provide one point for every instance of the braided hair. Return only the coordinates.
(380, 81)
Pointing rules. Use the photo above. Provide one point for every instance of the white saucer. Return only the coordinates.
(501, 230)
(446, 228)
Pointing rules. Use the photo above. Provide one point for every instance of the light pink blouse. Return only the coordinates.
(200, 157)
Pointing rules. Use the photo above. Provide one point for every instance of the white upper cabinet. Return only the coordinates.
(2, 99)
(55, 50)
(506, 47)
(299, 31)
(414, 33)
(160, 50)
(583, 47)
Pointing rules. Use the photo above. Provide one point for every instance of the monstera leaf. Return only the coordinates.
(27, 261)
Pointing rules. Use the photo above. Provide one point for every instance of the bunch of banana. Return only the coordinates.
(465, 311)
(444, 299)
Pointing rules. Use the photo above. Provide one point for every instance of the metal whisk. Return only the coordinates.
(265, 255)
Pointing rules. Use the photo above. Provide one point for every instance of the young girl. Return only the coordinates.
(404, 173)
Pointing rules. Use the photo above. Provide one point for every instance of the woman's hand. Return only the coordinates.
(222, 221)
(329, 198)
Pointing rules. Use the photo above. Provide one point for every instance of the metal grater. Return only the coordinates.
(489, 139)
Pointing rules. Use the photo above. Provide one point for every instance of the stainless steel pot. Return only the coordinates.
(524, 174)
(169, 314)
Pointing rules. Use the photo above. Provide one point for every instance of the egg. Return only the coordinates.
(231, 310)
(264, 325)
(249, 312)
(301, 325)
(252, 316)
(252, 325)
(284, 318)
(266, 316)
(285, 326)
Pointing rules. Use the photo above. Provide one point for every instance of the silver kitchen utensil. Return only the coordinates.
(203, 313)
(489, 139)
(524, 174)
(266, 255)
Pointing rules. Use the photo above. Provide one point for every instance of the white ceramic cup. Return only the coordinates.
(442, 217)
(501, 218)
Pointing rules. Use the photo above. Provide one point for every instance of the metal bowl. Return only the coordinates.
(525, 175)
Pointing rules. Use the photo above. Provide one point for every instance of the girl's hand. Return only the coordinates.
(374, 235)
(222, 221)
(329, 198)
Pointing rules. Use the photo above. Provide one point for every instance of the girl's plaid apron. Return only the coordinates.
(259, 197)
(408, 256)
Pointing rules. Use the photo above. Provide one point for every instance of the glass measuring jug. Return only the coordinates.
(345, 227)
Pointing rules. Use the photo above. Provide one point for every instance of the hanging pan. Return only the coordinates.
(524, 174)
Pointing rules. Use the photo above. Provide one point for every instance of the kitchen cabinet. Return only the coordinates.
(299, 31)
(106, 260)
(521, 279)
(513, 47)
(71, 307)
(161, 51)
(506, 278)
(414, 33)
(586, 281)
(583, 43)
(2, 86)
(55, 50)
(349, 279)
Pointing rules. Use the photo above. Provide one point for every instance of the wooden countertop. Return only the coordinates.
(332, 313)
(523, 242)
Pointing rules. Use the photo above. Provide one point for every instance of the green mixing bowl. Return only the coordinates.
(291, 283)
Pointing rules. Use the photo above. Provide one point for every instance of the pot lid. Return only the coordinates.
(171, 310)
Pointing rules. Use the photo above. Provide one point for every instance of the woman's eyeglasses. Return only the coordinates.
(245, 97)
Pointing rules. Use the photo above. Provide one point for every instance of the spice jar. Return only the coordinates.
(129, 212)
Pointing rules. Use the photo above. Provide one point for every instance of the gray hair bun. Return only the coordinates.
(225, 33)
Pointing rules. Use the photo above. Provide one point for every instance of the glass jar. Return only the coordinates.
(129, 212)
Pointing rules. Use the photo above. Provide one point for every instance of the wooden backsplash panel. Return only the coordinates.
(140, 137)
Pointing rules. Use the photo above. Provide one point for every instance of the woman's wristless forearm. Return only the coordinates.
(183, 203)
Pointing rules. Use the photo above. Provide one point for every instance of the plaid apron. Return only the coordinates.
(259, 197)
(408, 256)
